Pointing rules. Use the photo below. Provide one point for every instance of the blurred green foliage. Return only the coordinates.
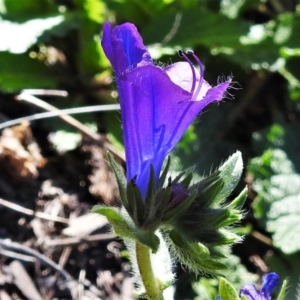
(56, 44)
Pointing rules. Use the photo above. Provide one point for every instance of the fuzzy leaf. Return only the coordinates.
(230, 172)
(121, 180)
(121, 227)
(227, 291)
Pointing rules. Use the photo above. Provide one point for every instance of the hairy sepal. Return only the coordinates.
(195, 256)
(121, 180)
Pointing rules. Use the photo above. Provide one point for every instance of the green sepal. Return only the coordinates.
(233, 217)
(121, 180)
(187, 179)
(239, 201)
(282, 292)
(185, 182)
(208, 189)
(197, 248)
(230, 172)
(195, 256)
(149, 202)
(180, 209)
(136, 206)
(227, 291)
(155, 212)
(243, 297)
(164, 173)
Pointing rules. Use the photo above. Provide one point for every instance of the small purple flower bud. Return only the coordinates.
(178, 195)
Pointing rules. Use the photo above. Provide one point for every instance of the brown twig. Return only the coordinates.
(8, 244)
(17, 256)
(77, 240)
(25, 96)
(266, 240)
(30, 212)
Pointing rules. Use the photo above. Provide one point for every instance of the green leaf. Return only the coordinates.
(119, 224)
(122, 227)
(21, 11)
(19, 71)
(283, 218)
(201, 20)
(227, 291)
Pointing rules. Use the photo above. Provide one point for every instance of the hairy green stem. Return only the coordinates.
(151, 285)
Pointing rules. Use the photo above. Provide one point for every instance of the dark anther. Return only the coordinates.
(180, 53)
(189, 52)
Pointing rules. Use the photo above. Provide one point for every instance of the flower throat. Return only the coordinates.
(201, 72)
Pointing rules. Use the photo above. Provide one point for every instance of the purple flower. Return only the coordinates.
(157, 103)
(270, 283)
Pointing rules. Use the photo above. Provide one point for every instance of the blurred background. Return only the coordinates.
(57, 167)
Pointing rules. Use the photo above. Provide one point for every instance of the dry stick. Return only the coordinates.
(80, 288)
(30, 212)
(78, 240)
(17, 256)
(60, 112)
(8, 244)
(62, 262)
(70, 120)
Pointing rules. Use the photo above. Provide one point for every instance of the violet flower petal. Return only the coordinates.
(250, 291)
(155, 102)
(124, 47)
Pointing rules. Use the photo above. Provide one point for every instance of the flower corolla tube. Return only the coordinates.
(157, 103)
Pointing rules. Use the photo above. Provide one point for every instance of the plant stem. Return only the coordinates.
(144, 263)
